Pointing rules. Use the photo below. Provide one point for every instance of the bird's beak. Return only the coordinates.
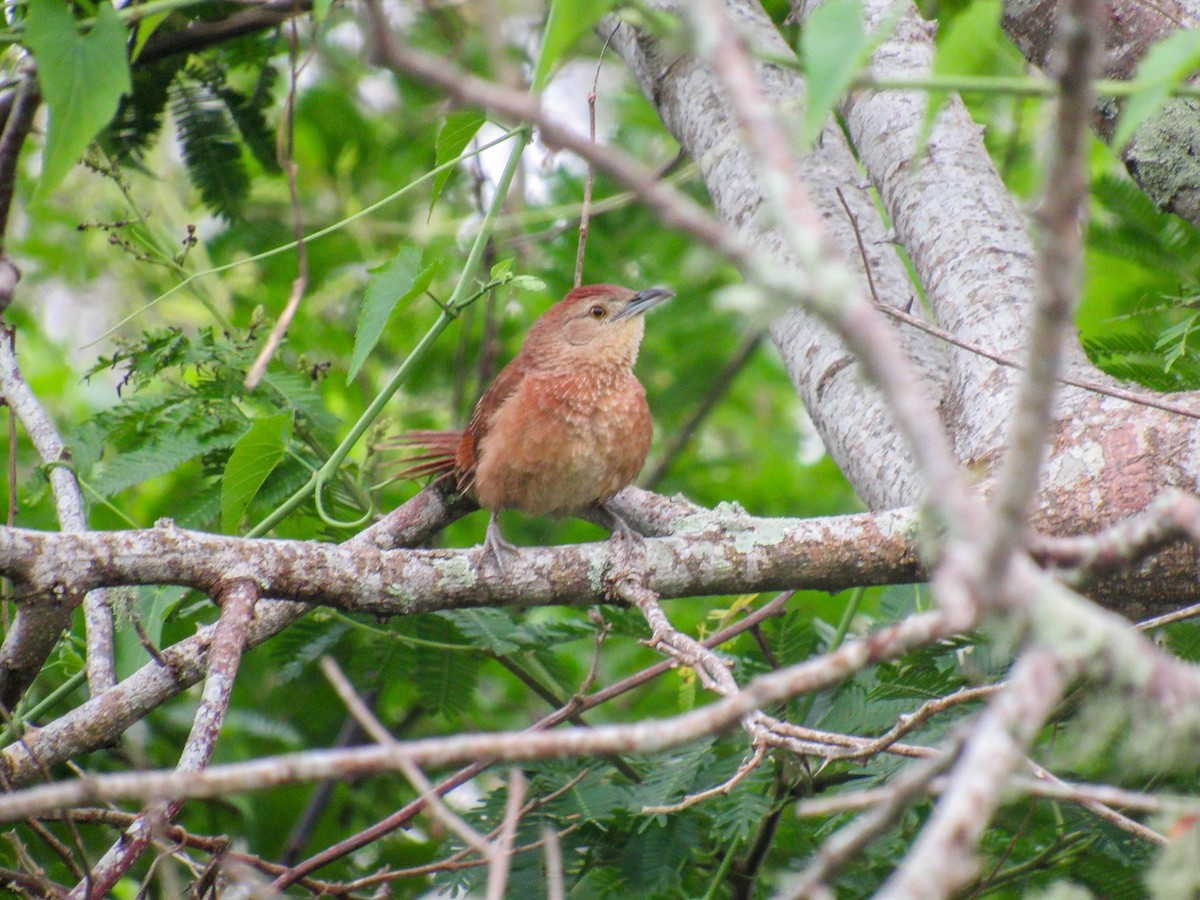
(645, 300)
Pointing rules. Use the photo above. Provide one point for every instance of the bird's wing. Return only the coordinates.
(498, 392)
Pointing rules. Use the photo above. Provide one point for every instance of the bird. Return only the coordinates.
(564, 426)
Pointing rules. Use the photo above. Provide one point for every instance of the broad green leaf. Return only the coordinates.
(403, 278)
(82, 77)
(1168, 63)
(452, 139)
(254, 457)
(568, 21)
(834, 48)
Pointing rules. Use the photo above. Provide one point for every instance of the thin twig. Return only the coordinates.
(224, 657)
(1060, 281)
(286, 146)
(586, 213)
(372, 726)
(12, 139)
(501, 850)
(887, 804)
(36, 627)
(743, 772)
(555, 884)
(400, 818)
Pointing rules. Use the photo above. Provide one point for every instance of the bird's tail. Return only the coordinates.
(441, 450)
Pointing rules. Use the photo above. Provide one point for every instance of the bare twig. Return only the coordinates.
(199, 35)
(556, 888)
(887, 805)
(403, 816)
(1139, 398)
(372, 726)
(12, 139)
(943, 858)
(748, 765)
(36, 627)
(500, 852)
(644, 737)
(224, 657)
(585, 213)
(287, 161)
(1060, 260)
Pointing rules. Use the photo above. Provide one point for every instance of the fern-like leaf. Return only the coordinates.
(211, 150)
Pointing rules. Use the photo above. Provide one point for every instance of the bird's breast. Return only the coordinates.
(563, 442)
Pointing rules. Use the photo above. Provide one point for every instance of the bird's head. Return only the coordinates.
(596, 324)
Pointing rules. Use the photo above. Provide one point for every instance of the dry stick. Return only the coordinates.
(500, 852)
(589, 183)
(1060, 275)
(180, 837)
(1102, 810)
(452, 863)
(716, 390)
(888, 805)
(12, 139)
(224, 656)
(1169, 517)
(286, 145)
(200, 35)
(402, 817)
(943, 858)
(556, 888)
(372, 726)
(37, 626)
(11, 517)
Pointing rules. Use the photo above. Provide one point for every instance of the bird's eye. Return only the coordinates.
(597, 312)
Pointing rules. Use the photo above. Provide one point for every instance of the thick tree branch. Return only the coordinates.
(709, 553)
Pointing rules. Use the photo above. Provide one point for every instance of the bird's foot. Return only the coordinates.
(494, 544)
(623, 536)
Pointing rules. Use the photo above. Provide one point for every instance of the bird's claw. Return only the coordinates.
(495, 546)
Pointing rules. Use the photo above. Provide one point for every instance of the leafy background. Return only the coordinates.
(146, 379)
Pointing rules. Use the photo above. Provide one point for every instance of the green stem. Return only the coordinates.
(45, 703)
(722, 871)
(843, 628)
(463, 296)
(848, 615)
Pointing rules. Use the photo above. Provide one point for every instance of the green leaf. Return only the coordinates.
(210, 147)
(452, 139)
(82, 77)
(568, 21)
(254, 456)
(834, 48)
(1168, 63)
(403, 278)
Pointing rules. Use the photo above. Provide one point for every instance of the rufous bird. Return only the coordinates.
(564, 426)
